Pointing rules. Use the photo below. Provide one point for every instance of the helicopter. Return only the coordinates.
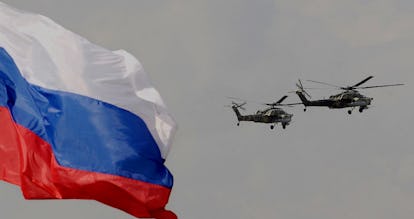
(350, 97)
(272, 114)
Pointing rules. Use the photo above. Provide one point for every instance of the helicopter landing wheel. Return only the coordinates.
(361, 110)
(238, 124)
(304, 110)
(284, 126)
(349, 112)
(272, 126)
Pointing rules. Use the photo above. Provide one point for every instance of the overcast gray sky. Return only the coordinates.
(326, 164)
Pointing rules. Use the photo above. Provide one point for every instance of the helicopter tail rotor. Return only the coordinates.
(301, 89)
(238, 105)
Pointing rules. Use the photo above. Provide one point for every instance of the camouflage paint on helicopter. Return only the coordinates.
(350, 97)
(272, 114)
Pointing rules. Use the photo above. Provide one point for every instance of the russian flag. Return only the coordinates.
(78, 121)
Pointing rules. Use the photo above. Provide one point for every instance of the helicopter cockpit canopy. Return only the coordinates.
(274, 112)
(346, 95)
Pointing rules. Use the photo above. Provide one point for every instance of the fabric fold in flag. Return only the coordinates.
(79, 121)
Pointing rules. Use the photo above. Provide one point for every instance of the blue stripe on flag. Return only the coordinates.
(84, 133)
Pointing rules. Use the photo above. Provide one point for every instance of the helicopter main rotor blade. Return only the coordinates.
(385, 85)
(324, 83)
(278, 103)
(363, 81)
(320, 88)
(281, 99)
(244, 100)
(235, 98)
(291, 104)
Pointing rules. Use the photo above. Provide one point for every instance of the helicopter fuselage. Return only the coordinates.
(270, 115)
(349, 98)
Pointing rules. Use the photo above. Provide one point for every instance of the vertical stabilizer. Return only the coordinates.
(236, 110)
(301, 93)
(303, 98)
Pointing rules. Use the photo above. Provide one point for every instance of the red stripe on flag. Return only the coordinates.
(28, 161)
(9, 152)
